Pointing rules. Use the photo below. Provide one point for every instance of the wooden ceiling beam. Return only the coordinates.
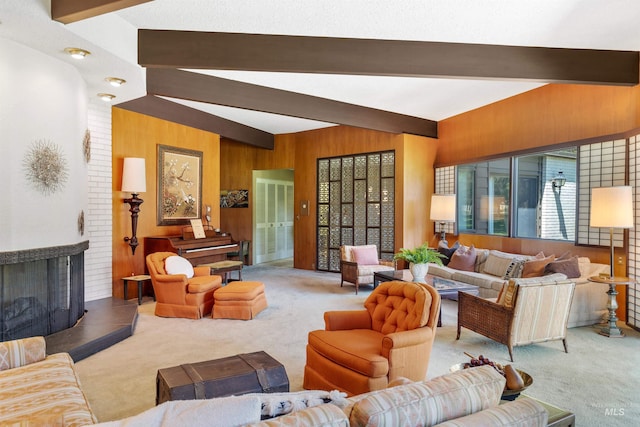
(215, 90)
(300, 54)
(68, 11)
(178, 113)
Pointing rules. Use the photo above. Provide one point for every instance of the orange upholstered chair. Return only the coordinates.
(363, 350)
(176, 294)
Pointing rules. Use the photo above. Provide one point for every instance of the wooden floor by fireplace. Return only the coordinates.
(106, 321)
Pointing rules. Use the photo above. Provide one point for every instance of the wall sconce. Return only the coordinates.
(558, 181)
(134, 181)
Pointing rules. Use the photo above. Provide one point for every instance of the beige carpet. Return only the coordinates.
(598, 379)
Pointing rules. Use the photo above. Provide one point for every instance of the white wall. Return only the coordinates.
(42, 99)
(98, 219)
(45, 99)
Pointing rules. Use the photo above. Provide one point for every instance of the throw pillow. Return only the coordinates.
(464, 258)
(514, 270)
(447, 251)
(367, 255)
(508, 297)
(177, 265)
(536, 267)
(568, 267)
(497, 263)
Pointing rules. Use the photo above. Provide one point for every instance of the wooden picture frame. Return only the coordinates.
(179, 185)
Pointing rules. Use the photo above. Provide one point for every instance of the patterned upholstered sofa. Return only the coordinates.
(491, 272)
(37, 390)
(465, 398)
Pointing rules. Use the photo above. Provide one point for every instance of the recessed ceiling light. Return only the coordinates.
(115, 81)
(106, 97)
(77, 53)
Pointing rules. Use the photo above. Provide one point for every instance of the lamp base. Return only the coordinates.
(612, 330)
(134, 203)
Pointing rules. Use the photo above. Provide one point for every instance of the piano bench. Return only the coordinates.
(224, 268)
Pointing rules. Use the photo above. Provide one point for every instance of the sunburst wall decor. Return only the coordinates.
(45, 167)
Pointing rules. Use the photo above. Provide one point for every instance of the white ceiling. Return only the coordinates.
(112, 39)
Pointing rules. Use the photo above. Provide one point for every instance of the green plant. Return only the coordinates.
(420, 255)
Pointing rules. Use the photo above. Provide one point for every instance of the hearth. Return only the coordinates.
(41, 290)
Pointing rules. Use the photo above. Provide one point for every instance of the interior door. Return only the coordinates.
(274, 220)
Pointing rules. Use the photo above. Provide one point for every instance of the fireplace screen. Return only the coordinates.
(40, 297)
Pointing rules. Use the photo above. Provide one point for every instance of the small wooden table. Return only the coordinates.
(224, 268)
(446, 288)
(140, 281)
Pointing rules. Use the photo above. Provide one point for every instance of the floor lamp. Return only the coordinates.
(443, 209)
(612, 207)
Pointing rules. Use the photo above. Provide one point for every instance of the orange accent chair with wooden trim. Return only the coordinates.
(363, 350)
(177, 295)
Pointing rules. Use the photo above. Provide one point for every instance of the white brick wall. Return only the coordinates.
(98, 220)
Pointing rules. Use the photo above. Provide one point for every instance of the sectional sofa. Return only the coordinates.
(491, 270)
(36, 389)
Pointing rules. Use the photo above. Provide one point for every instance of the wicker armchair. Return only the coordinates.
(526, 312)
(358, 264)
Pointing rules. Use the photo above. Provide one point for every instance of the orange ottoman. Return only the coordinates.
(239, 300)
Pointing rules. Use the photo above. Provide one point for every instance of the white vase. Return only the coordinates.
(418, 271)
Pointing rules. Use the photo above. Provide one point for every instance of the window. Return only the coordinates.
(540, 209)
(544, 210)
(484, 197)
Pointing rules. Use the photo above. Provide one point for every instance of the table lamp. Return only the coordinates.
(612, 207)
(443, 209)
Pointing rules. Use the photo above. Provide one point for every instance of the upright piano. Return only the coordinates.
(198, 251)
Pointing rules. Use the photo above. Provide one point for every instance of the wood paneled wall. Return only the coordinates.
(552, 114)
(137, 135)
(300, 151)
(238, 161)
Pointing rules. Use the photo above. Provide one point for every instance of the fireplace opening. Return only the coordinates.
(41, 290)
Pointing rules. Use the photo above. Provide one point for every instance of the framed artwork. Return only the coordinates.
(234, 198)
(179, 185)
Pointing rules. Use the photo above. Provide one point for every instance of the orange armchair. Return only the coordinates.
(177, 295)
(363, 350)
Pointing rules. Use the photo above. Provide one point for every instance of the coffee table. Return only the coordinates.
(447, 288)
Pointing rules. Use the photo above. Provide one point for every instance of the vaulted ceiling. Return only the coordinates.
(250, 69)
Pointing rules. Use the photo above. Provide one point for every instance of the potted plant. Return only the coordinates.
(419, 259)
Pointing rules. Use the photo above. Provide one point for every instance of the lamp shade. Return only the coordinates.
(134, 175)
(612, 207)
(443, 207)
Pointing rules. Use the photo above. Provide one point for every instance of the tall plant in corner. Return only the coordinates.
(419, 259)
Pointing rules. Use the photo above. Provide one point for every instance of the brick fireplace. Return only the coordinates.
(41, 290)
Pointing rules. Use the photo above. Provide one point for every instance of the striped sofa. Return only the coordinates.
(37, 390)
(470, 397)
(491, 273)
